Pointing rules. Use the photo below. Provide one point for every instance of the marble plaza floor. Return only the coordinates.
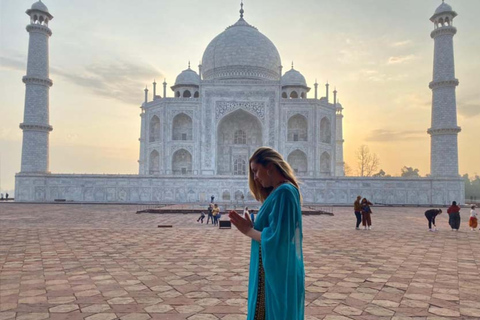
(65, 261)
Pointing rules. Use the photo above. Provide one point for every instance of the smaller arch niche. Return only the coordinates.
(154, 134)
(239, 167)
(177, 94)
(284, 95)
(294, 95)
(325, 167)
(154, 163)
(240, 137)
(196, 95)
(187, 94)
(226, 195)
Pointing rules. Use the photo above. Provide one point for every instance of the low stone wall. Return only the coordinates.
(190, 189)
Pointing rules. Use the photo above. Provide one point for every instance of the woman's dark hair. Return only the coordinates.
(454, 203)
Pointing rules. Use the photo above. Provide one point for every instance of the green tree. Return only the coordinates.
(472, 188)
(409, 172)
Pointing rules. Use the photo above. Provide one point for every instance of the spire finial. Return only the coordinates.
(292, 64)
(241, 9)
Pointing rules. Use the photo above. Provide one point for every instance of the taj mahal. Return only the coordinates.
(198, 142)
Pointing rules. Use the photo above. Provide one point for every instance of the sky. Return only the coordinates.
(377, 53)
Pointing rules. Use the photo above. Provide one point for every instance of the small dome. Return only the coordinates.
(39, 6)
(443, 8)
(293, 78)
(187, 77)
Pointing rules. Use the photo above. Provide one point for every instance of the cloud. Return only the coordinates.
(374, 76)
(116, 79)
(381, 135)
(13, 64)
(469, 109)
(401, 43)
(400, 59)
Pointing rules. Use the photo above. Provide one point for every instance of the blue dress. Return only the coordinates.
(280, 221)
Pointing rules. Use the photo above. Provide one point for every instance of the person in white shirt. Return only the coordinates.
(473, 222)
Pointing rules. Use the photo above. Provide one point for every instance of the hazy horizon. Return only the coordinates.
(378, 54)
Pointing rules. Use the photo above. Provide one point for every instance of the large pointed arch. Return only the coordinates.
(182, 127)
(297, 128)
(182, 162)
(239, 133)
(298, 161)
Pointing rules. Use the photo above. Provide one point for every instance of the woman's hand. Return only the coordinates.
(244, 225)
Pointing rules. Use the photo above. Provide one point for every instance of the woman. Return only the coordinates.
(366, 214)
(454, 216)
(276, 289)
(473, 221)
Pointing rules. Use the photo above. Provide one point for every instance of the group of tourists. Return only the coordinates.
(363, 213)
(453, 217)
(213, 214)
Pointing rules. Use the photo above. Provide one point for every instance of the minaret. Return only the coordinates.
(444, 129)
(339, 163)
(146, 95)
(164, 88)
(326, 91)
(316, 89)
(154, 89)
(35, 126)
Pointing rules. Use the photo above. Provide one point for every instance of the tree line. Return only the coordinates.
(368, 165)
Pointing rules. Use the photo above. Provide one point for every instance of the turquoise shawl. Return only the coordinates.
(280, 221)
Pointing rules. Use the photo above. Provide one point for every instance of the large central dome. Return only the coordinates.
(241, 52)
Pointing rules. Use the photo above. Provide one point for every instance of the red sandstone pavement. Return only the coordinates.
(66, 261)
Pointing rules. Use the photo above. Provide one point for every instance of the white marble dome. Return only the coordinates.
(187, 77)
(40, 6)
(241, 52)
(293, 78)
(443, 8)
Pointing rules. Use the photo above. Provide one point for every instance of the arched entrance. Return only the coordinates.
(238, 135)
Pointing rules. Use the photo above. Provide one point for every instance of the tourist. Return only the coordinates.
(431, 215)
(215, 212)
(276, 288)
(202, 216)
(357, 208)
(212, 198)
(6, 196)
(454, 216)
(473, 221)
(366, 214)
(209, 213)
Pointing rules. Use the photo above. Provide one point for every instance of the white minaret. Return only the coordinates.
(339, 163)
(35, 126)
(444, 129)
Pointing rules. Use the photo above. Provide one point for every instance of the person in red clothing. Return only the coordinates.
(454, 216)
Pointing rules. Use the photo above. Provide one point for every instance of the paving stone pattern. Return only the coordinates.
(65, 261)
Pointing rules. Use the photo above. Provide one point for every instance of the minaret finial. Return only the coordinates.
(241, 9)
(292, 64)
(188, 64)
